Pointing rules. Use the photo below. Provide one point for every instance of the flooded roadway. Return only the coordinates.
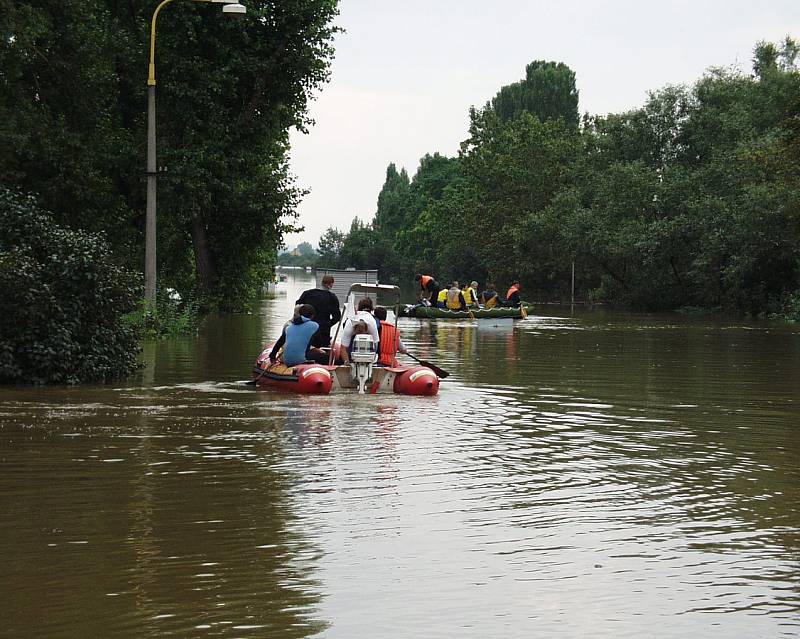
(582, 474)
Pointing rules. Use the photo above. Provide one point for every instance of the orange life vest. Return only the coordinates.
(389, 344)
(511, 291)
(423, 281)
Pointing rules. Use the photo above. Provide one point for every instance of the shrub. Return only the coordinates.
(63, 297)
(788, 308)
(169, 317)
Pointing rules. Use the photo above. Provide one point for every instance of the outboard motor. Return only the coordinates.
(362, 358)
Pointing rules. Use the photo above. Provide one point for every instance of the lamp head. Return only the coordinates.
(234, 9)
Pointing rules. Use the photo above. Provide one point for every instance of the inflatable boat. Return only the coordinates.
(362, 375)
(429, 312)
(320, 379)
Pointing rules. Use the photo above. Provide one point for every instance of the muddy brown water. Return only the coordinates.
(584, 473)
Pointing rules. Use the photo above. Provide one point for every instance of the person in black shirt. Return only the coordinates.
(326, 307)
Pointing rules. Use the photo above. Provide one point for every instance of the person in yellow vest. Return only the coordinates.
(441, 299)
(489, 297)
(455, 299)
(470, 293)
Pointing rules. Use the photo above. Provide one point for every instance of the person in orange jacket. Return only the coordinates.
(390, 343)
(429, 288)
(512, 297)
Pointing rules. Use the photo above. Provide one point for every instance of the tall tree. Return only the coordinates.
(330, 248)
(72, 125)
(391, 212)
(548, 92)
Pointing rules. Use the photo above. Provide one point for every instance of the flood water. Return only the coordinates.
(582, 474)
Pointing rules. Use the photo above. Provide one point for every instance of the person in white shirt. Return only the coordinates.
(363, 314)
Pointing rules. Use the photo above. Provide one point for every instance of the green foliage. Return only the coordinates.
(73, 129)
(789, 308)
(691, 201)
(169, 317)
(303, 255)
(548, 92)
(330, 248)
(64, 298)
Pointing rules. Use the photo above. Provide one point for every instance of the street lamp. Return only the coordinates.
(231, 8)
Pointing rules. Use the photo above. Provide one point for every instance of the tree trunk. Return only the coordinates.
(202, 256)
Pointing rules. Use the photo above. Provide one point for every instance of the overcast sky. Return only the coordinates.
(406, 73)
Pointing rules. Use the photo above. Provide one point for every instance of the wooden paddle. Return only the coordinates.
(439, 371)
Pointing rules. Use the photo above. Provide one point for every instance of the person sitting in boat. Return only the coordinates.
(441, 299)
(489, 297)
(428, 288)
(455, 299)
(391, 344)
(470, 293)
(300, 339)
(512, 297)
(363, 314)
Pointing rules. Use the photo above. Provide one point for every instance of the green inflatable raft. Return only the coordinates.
(477, 313)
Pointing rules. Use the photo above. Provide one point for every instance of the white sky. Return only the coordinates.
(406, 73)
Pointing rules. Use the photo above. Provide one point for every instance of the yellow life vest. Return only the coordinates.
(491, 302)
(469, 296)
(452, 296)
(442, 296)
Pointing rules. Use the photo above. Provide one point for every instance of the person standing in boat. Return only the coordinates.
(363, 314)
(428, 288)
(300, 339)
(326, 306)
(512, 297)
(391, 344)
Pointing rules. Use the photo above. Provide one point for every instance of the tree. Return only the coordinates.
(72, 126)
(392, 200)
(547, 92)
(330, 248)
(304, 248)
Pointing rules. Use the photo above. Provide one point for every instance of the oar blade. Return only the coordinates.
(439, 371)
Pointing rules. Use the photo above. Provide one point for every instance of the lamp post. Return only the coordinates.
(231, 8)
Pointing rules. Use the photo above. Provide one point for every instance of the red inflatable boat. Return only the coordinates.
(317, 379)
(363, 374)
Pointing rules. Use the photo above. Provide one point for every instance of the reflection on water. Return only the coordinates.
(581, 474)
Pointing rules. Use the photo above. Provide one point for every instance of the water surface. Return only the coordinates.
(585, 473)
